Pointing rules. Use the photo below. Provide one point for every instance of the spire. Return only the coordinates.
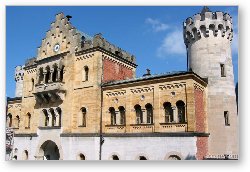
(205, 9)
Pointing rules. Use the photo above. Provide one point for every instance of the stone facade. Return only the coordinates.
(80, 100)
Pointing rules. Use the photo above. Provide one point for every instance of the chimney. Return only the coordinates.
(148, 73)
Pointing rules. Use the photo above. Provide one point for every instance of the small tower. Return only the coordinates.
(19, 74)
(208, 37)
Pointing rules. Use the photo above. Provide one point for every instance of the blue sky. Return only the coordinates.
(152, 34)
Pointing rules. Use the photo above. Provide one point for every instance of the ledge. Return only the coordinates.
(173, 123)
(49, 128)
(82, 126)
(26, 135)
(170, 134)
(14, 98)
(80, 135)
(124, 125)
(141, 124)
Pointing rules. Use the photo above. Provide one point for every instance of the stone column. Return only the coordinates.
(118, 117)
(51, 75)
(58, 75)
(50, 118)
(175, 114)
(144, 116)
(44, 76)
(57, 118)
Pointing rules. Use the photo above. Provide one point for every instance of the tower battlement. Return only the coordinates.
(207, 24)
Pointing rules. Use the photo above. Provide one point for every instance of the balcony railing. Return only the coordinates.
(39, 88)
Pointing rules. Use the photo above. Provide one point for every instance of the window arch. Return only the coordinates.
(59, 116)
(86, 73)
(46, 117)
(28, 118)
(55, 73)
(17, 121)
(168, 112)
(47, 76)
(139, 114)
(122, 115)
(113, 115)
(9, 120)
(83, 116)
(32, 84)
(61, 73)
(142, 158)
(174, 157)
(115, 157)
(25, 155)
(81, 157)
(40, 80)
(149, 110)
(181, 111)
(53, 117)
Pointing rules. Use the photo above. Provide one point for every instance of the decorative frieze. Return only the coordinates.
(31, 71)
(198, 87)
(116, 93)
(85, 56)
(172, 86)
(104, 56)
(142, 90)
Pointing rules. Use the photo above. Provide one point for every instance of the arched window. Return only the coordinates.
(81, 156)
(9, 120)
(83, 114)
(32, 84)
(47, 76)
(139, 115)
(40, 75)
(59, 116)
(46, 117)
(14, 157)
(168, 112)
(174, 157)
(181, 111)
(53, 115)
(112, 115)
(61, 73)
(122, 115)
(115, 157)
(149, 109)
(17, 121)
(28, 119)
(55, 72)
(25, 155)
(142, 158)
(86, 72)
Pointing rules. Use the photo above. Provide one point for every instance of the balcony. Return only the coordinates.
(49, 92)
(173, 127)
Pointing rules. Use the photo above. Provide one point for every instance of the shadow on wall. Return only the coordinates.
(190, 157)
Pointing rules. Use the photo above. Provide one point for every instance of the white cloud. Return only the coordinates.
(172, 45)
(235, 43)
(156, 25)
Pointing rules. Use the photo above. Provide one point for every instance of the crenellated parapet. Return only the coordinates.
(207, 24)
(99, 41)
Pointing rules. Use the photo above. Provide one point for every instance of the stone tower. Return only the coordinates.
(19, 74)
(208, 37)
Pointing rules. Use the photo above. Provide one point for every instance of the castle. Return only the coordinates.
(79, 99)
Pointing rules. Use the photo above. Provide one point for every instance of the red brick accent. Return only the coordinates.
(202, 142)
(199, 110)
(113, 71)
(202, 147)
